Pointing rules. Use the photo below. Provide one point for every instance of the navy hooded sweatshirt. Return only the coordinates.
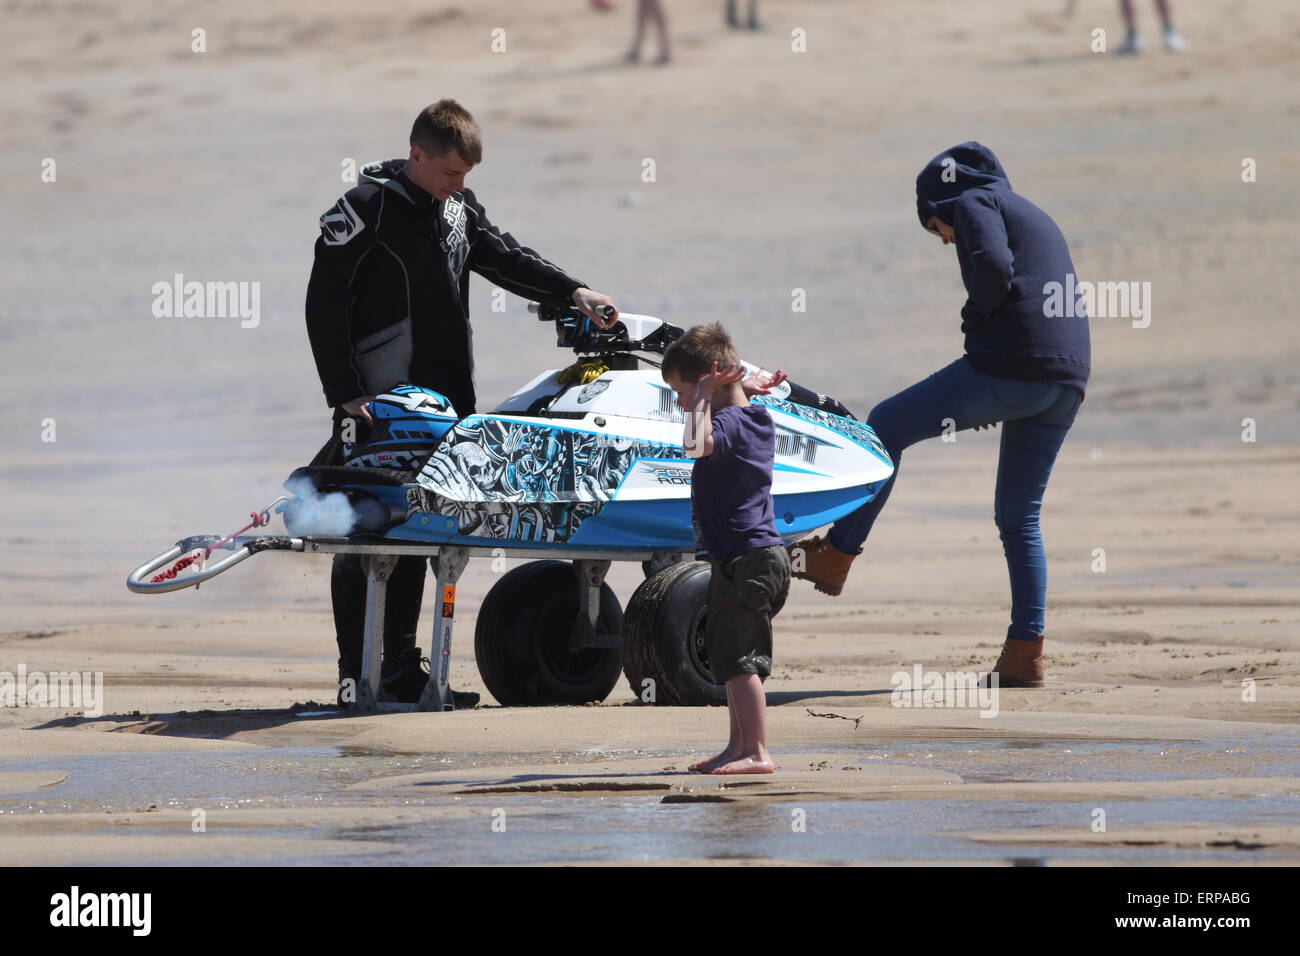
(1009, 251)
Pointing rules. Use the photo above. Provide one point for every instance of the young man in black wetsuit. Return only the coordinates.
(388, 303)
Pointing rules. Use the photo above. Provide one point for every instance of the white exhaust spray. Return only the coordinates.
(311, 513)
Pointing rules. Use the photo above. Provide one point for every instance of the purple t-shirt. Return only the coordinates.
(731, 489)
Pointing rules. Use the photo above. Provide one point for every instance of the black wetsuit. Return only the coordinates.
(388, 303)
(389, 289)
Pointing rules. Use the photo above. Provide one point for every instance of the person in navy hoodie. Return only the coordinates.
(1025, 366)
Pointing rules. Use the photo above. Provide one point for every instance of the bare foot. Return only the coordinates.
(746, 763)
(706, 766)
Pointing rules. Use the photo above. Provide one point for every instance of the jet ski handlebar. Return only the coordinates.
(631, 333)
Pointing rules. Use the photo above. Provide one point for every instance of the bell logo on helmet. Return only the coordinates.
(409, 422)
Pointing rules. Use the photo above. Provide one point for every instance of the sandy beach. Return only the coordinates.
(1173, 696)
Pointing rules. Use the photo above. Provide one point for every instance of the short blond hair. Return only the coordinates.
(695, 352)
(445, 126)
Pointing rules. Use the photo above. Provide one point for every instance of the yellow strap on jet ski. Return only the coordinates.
(581, 373)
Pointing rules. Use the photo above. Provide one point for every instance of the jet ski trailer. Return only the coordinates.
(580, 467)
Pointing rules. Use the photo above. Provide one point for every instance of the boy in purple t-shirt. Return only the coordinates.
(732, 442)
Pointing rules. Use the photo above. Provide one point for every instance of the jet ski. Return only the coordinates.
(582, 464)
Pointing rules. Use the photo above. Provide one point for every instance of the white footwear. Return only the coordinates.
(1132, 44)
(1174, 41)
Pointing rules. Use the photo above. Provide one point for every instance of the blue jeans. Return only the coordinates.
(1035, 417)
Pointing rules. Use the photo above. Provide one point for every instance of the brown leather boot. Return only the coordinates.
(1019, 665)
(825, 565)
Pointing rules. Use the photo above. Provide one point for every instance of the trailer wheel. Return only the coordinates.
(521, 639)
(663, 638)
(664, 656)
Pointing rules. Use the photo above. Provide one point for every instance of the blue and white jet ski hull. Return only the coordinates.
(603, 469)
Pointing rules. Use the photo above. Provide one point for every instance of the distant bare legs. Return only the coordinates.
(650, 11)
